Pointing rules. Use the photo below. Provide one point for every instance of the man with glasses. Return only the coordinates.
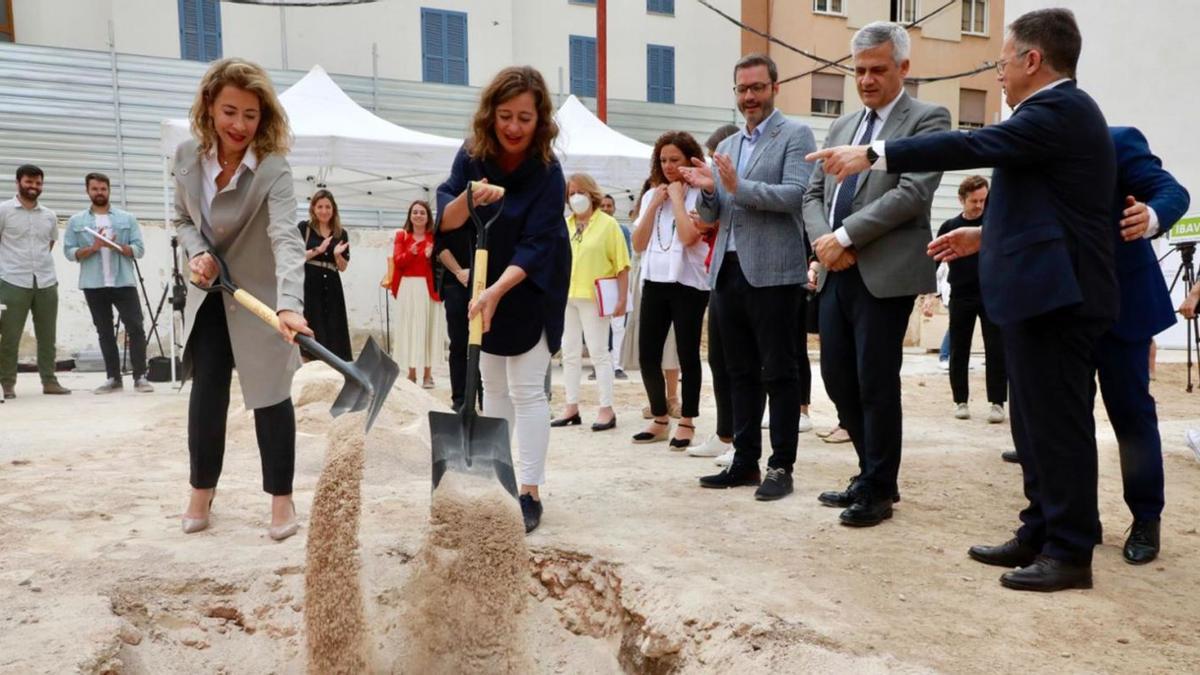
(869, 234)
(1047, 279)
(755, 189)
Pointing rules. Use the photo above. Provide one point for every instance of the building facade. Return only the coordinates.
(658, 50)
(961, 37)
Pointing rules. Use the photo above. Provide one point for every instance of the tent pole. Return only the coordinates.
(602, 60)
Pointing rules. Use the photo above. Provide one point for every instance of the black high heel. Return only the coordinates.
(605, 426)
(571, 421)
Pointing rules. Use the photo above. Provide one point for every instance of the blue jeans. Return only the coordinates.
(944, 353)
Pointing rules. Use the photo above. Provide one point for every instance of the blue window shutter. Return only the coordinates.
(433, 46)
(661, 6)
(189, 30)
(583, 65)
(660, 74)
(456, 48)
(210, 29)
(443, 46)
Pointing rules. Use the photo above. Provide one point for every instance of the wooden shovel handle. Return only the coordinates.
(478, 283)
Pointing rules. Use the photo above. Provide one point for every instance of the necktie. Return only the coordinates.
(845, 195)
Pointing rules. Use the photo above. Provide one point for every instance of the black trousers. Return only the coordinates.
(758, 334)
(455, 299)
(862, 340)
(208, 409)
(723, 387)
(101, 302)
(665, 305)
(1052, 369)
(963, 310)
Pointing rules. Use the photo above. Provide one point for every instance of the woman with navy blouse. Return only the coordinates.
(529, 259)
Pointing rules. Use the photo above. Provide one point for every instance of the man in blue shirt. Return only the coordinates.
(104, 241)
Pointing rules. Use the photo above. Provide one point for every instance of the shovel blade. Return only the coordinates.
(369, 380)
(471, 444)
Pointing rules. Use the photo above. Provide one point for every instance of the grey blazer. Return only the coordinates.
(253, 227)
(889, 219)
(765, 212)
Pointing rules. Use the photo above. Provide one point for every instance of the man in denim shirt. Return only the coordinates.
(28, 285)
(106, 277)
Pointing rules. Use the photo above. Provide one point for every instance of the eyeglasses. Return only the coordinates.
(757, 88)
(1004, 62)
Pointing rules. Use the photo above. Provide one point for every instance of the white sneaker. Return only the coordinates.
(725, 459)
(713, 447)
(961, 411)
(1192, 438)
(766, 420)
(996, 414)
(806, 424)
(944, 365)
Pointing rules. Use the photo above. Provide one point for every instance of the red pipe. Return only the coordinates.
(602, 60)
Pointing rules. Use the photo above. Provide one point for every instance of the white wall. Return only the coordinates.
(499, 33)
(1138, 62)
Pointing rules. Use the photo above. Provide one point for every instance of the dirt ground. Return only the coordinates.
(634, 568)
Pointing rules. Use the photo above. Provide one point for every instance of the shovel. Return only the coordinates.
(368, 380)
(465, 441)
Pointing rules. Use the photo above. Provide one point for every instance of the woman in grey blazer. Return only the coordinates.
(233, 195)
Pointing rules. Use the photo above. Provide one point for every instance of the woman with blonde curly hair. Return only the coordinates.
(233, 196)
(529, 261)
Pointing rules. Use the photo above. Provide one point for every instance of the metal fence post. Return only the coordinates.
(116, 96)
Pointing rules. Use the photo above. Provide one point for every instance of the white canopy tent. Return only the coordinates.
(587, 145)
(368, 162)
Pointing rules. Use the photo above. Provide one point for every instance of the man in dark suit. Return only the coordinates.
(869, 235)
(1047, 277)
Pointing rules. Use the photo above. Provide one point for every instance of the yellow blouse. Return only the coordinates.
(598, 252)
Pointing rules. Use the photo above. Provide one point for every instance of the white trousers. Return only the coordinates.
(618, 341)
(512, 389)
(584, 323)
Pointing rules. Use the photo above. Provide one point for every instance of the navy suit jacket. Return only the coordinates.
(1146, 308)
(1048, 229)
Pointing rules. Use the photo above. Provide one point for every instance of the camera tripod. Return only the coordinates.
(1187, 272)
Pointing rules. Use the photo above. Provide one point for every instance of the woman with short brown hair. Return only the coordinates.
(529, 261)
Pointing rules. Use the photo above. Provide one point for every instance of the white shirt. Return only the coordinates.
(882, 114)
(104, 227)
(212, 169)
(25, 239)
(880, 164)
(666, 259)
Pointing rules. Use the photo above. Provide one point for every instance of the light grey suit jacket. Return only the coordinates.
(889, 217)
(765, 212)
(253, 228)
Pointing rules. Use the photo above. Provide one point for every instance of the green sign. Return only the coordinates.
(1187, 229)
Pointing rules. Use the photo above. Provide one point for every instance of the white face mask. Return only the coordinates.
(580, 203)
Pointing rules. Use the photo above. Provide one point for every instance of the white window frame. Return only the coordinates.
(986, 18)
(916, 11)
(828, 12)
(827, 103)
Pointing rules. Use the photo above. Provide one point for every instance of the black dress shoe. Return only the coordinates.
(567, 421)
(1142, 545)
(1010, 456)
(620, 375)
(732, 477)
(1011, 553)
(866, 511)
(845, 498)
(531, 512)
(1047, 575)
(777, 485)
(605, 426)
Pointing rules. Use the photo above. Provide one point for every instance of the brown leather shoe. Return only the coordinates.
(1047, 575)
(54, 388)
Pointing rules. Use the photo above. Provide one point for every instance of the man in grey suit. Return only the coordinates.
(758, 272)
(869, 235)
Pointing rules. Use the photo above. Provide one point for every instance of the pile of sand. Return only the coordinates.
(468, 592)
(333, 616)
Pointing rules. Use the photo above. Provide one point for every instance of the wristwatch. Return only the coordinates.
(872, 156)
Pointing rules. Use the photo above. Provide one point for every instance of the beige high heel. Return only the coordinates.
(287, 529)
(194, 525)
